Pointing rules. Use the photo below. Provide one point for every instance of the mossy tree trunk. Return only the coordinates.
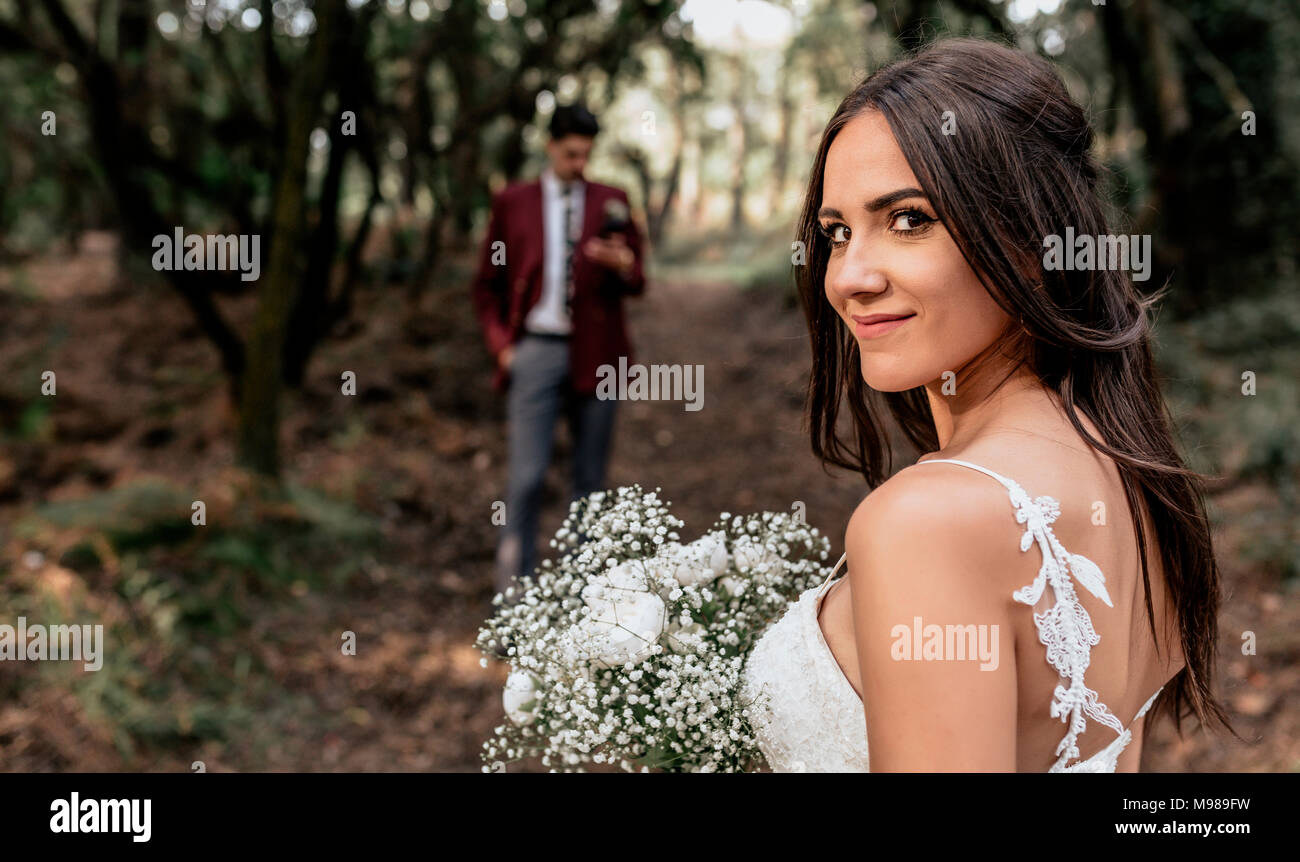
(260, 389)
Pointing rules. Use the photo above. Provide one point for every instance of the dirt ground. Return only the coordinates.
(422, 448)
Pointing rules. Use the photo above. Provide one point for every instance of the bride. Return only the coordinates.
(1041, 583)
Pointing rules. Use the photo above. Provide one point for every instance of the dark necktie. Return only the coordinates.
(571, 241)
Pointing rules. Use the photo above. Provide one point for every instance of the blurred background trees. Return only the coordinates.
(229, 116)
(293, 122)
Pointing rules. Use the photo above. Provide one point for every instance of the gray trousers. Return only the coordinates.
(538, 393)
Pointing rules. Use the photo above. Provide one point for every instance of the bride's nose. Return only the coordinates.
(858, 272)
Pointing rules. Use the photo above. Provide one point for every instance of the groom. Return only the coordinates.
(560, 254)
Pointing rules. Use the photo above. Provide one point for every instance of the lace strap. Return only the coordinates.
(831, 576)
(1146, 706)
(1065, 628)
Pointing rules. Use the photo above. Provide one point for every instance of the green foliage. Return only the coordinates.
(178, 665)
(34, 420)
(1252, 438)
(45, 180)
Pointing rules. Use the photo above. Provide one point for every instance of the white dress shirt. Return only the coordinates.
(551, 313)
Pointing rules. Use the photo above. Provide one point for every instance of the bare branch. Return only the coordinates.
(75, 41)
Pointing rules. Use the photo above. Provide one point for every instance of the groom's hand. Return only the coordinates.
(503, 358)
(613, 253)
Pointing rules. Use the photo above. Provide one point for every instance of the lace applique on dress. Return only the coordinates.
(807, 717)
(1065, 628)
(805, 714)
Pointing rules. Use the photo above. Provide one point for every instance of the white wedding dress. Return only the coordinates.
(812, 719)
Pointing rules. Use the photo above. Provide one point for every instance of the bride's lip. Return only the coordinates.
(875, 325)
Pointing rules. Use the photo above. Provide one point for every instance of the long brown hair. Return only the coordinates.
(1018, 169)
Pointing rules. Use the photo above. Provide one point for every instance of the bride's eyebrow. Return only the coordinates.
(894, 197)
(877, 204)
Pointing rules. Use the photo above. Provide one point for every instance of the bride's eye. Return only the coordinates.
(837, 234)
(910, 221)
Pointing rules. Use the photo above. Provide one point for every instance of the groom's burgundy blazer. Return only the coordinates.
(504, 294)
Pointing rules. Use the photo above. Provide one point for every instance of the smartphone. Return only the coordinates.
(614, 220)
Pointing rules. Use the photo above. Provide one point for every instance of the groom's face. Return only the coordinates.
(568, 156)
(890, 256)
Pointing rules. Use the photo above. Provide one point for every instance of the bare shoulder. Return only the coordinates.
(934, 550)
(939, 523)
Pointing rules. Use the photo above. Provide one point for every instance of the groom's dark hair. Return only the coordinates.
(573, 119)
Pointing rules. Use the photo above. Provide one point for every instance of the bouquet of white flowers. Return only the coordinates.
(629, 650)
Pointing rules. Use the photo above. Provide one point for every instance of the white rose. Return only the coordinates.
(702, 560)
(671, 567)
(626, 576)
(750, 555)
(734, 586)
(612, 586)
(520, 697)
(623, 629)
(713, 549)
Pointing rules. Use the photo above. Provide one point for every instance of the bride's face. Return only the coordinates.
(891, 257)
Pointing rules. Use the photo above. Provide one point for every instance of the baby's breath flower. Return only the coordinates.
(661, 709)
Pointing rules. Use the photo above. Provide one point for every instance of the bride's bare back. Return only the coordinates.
(1124, 667)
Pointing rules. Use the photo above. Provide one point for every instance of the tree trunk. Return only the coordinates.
(259, 407)
(781, 156)
(315, 308)
(738, 140)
